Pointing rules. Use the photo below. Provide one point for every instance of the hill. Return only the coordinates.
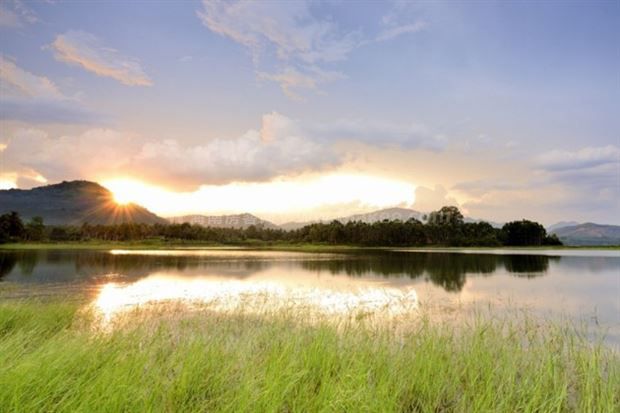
(589, 234)
(224, 221)
(561, 224)
(392, 214)
(73, 203)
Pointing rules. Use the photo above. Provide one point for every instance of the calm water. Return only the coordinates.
(582, 285)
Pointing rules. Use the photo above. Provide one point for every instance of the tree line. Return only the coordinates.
(445, 227)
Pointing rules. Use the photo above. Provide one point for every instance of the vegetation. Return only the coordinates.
(445, 227)
(53, 358)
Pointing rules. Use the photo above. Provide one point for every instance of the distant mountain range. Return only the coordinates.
(588, 234)
(73, 203)
(223, 221)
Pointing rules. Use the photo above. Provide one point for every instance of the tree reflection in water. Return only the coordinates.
(447, 270)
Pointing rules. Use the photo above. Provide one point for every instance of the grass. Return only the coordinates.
(53, 358)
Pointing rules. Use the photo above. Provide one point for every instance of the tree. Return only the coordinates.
(522, 233)
(445, 226)
(11, 227)
(35, 230)
(447, 215)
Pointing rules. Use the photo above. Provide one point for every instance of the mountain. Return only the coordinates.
(589, 234)
(73, 203)
(561, 224)
(392, 214)
(224, 221)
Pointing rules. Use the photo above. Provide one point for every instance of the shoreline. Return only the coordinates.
(107, 245)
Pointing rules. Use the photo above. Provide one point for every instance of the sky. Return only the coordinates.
(304, 110)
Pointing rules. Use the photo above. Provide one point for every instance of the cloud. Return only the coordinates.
(17, 82)
(376, 133)
(393, 32)
(583, 185)
(36, 99)
(85, 50)
(15, 14)
(292, 32)
(254, 156)
(291, 80)
(281, 146)
(427, 199)
(288, 27)
(583, 158)
(247, 158)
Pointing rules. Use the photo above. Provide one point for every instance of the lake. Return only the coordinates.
(581, 285)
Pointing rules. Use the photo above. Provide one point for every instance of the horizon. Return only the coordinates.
(302, 111)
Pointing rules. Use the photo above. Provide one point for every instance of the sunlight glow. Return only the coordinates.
(257, 296)
(278, 196)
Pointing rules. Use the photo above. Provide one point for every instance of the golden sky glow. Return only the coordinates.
(280, 196)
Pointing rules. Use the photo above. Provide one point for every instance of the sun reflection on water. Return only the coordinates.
(254, 296)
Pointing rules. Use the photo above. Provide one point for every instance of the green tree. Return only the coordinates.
(35, 229)
(523, 233)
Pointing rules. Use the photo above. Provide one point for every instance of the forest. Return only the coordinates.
(445, 227)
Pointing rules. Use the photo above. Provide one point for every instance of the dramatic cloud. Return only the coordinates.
(85, 50)
(280, 147)
(36, 99)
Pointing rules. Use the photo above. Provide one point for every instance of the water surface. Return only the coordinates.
(583, 285)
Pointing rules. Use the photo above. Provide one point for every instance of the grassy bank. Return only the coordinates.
(51, 359)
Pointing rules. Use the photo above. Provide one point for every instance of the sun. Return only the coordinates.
(125, 191)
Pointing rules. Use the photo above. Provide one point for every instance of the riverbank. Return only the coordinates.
(53, 357)
(260, 245)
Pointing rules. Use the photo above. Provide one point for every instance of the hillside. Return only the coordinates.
(73, 203)
(223, 221)
(561, 224)
(391, 214)
(589, 234)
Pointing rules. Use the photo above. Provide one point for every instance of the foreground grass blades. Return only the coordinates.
(53, 359)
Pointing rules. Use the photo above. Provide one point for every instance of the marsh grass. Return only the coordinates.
(53, 359)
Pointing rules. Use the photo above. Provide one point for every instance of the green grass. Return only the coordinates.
(53, 358)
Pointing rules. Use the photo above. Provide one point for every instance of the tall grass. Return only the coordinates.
(53, 359)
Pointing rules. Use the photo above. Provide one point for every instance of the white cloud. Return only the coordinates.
(246, 158)
(36, 99)
(15, 81)
(289, 27)
(281, 146)
(393, 32)
(85, 50)
(287, 30)
(583, 158)
(291, 80)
